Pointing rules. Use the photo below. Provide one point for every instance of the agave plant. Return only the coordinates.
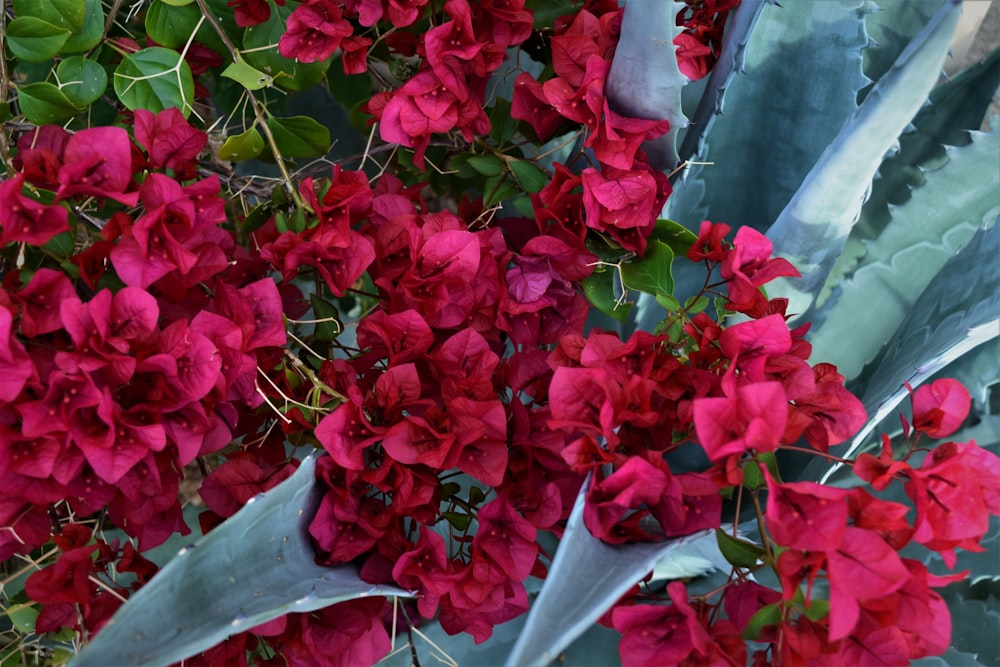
(826, 126)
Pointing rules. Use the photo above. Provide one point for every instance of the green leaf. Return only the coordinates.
(818, 609)
(249, 77)
(599, 288)
(261, 51)
(256, 218)
(60, 245)
(154, 79)
(91, 32)
(674, 234)
(651, 274)
(66, 14)
(23, 616)
(476, 495)
(33, 40)
(177, 3)
(668, 302)
(299, 136)
(244, 146)
(257, 565)
(83, 81)
(523, 206)
(504, 126)
(487, 165)
(457, 519)
(5, 113)
(765, 616)
(449, 489)
(546, 12)
(171, 26)
(529, 175)
(738, 552)
(696, 304)
(323, 309)
(753, 478)
(43, 103)
(350, 90)
(498, 188)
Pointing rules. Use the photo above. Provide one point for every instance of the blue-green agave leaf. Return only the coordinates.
(955, 107)
(644, 81)
(588, 576)
(803, 74)
(958, 312)
(975, 617)
(256, 566)
(812, 229)
(951, 658)
(738, 28)
(891, 26)
(867, 306)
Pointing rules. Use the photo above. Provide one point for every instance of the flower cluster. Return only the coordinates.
(623, 197)
(116, 381)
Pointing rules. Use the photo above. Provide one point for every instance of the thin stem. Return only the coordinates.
(764, 540)
(829, 457)
(257, 107)
(308, 372)
(8, 161)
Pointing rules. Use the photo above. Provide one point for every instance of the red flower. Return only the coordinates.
(673, 635)
(711, 244)
(694, 59)
(530, 104)
(749, 265)
(454, 51)
(39, 155)
(423, 106)
(955, 489)
(24, 220)
(624, 203)
(618, 138)
(752, 419)
(354, 55)
(169, 140)
(15, 364)
(503, 22)
(939, 408)
(637, 482)
(314, 31)
(506, 539)
(805, 515)
(249, 13)
(98, 161)
(862, 567)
